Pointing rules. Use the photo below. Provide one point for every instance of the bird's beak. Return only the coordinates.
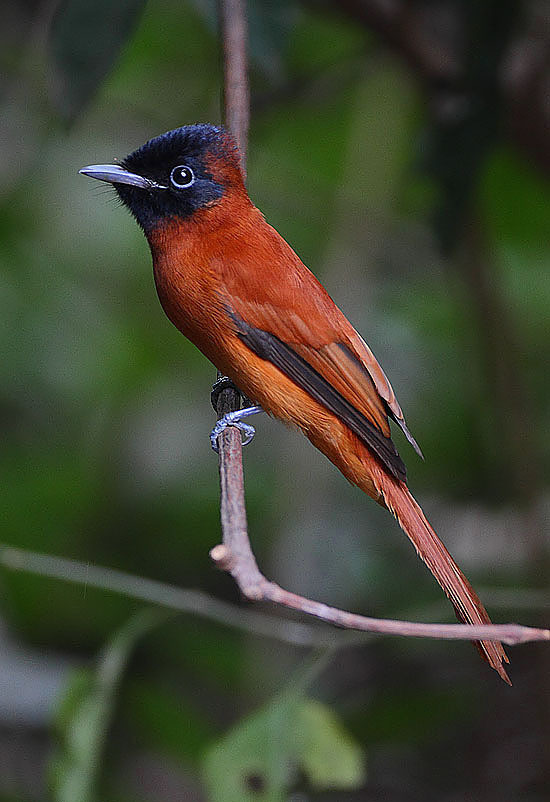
(115, 174)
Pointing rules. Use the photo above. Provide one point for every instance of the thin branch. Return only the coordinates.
(236, 93)
(237, 104)
(202, 604)
(235, 554)
(237, 111)
(181, 600)
(255, 586)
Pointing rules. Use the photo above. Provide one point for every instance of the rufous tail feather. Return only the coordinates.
(468, 607)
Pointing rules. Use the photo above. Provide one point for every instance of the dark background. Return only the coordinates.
(403, 149)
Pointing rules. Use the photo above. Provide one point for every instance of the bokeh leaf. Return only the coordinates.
(86, 39)
(86, 711)
(253, 762)
(258, 759)
(329, 756)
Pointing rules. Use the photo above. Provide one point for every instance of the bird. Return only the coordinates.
(234, 287)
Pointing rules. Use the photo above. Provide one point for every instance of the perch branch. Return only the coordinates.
(255, 586)
(236, 93)
(184, 600)
(237, 104)
(235, 554)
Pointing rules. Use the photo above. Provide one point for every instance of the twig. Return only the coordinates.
(237, 105)
(181, 600)
(236, 94)
(256, 587)
(232, 506)
(235, 554)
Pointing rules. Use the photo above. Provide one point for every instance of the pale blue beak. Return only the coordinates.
(115, 174)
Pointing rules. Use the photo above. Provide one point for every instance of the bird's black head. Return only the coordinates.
(175, 174)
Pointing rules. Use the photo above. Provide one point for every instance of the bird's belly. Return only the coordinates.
(204, 320)
(280, 397)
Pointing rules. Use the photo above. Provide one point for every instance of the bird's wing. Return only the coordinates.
(288, 318)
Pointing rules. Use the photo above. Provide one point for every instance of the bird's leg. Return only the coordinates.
(235, 419)
(223, 383)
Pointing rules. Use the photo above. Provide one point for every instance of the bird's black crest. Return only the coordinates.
(189, 141)
(189, 146)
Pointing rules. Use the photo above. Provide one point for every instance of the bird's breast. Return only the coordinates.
(191, 292)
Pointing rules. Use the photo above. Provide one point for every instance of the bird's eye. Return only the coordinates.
(182, 177)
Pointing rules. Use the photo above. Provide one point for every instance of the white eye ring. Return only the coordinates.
(182, 176)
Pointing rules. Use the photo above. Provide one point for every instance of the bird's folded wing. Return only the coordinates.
(320, 347)
(288, 358)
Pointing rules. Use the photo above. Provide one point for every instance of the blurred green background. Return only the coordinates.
(403, 149)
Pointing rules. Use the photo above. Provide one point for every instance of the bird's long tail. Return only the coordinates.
(429, 547)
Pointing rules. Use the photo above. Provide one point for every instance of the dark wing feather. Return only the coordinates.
(283, 356)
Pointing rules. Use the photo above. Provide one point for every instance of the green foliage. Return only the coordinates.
(166, 722)
(258, 760)
(331, 759)
(86, 41)
(515, 200)
(12, 798)
(86, 711)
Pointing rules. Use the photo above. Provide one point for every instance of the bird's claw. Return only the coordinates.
(247, 430)
(235, 419)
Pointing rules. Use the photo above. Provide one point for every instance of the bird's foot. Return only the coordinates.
(235, 419)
